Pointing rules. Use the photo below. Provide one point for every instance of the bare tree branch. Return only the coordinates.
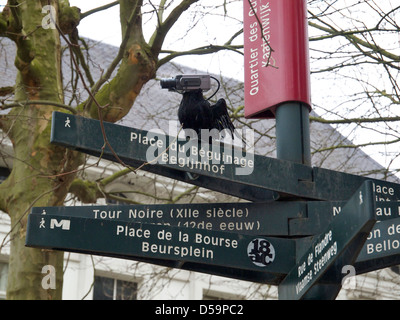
(357, 41)
(117, 59)
(355, 120)
(198, 51)
(101, 8)
(163, 28)
(4, 106)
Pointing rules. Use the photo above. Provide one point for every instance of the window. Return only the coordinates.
(3, 279)
(113, 289)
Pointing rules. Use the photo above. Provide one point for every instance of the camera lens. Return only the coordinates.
(168, 83)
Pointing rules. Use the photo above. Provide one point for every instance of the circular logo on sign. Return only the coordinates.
(261, 252)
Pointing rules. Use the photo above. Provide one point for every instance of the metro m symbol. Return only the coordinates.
(63, 224)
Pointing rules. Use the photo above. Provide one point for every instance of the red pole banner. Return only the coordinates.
(276, 56)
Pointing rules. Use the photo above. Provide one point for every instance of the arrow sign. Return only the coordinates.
(380, 250)
(270, 218)
(333, 185)
(352, 226)
(210, 165)
(320, 213)
(258, 254)
(218, 167)
(382, 247)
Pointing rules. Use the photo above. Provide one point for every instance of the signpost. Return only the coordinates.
(303, 225)
(381, 248)
(356, 219)
(245, 234)
(294, 219)
(277, 72)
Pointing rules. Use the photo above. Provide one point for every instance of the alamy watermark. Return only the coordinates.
(198, 154)
(49, 21)
(49, 280)
(349, 281)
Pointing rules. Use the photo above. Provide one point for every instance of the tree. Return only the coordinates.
(43, 174)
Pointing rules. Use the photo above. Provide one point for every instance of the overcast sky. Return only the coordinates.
(103, 26)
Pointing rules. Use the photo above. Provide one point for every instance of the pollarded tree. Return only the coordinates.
(42, 173)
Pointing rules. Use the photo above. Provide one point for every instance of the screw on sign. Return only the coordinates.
(261, 252)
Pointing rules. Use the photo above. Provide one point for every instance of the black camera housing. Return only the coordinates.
(187, 83)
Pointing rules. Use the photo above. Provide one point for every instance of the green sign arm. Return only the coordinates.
(271, 218)
(382, 247)
(219, 167)
(337, 246)
(257, 254)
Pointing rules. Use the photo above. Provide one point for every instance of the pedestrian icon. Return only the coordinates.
(42, 222)
(68, 123)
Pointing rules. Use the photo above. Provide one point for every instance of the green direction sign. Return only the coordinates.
(249, 176)
(216, 166)
(270, 218)
(352, 226)
(320, 213)
(333, 185)
(382, 248)
(258, 254)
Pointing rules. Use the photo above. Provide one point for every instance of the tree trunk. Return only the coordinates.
(36, 178)
(42, 173)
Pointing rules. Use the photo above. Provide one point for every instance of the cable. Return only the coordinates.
(219, 86)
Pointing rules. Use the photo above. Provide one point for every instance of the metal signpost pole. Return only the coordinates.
(277, 73)
(292, 116)
(281, 89)
(293, 133)
(293, 136)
